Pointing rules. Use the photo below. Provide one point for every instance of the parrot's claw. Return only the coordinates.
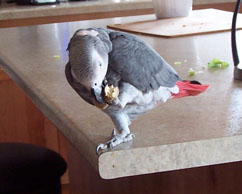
(116, 140)
(114, 133)
(101, 147)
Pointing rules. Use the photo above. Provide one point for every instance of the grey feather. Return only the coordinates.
(82, 91)
(133, 66)
(130, 60)
(112, 77)
(104, 36)
(138, 64)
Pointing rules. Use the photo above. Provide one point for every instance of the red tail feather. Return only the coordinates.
(189, 88)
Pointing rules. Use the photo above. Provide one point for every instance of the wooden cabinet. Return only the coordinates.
(21, 120)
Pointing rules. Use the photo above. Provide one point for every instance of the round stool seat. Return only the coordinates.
(26, 168)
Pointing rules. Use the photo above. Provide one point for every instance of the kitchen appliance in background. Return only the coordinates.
(34, 2)
(37, 2)
(237, 64)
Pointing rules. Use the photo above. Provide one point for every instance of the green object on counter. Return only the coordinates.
(218, 63)
(177, 63)
(56, 56)
(191, 72)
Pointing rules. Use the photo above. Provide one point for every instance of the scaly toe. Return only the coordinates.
(116, 140)
(129, 137)
(114, 133)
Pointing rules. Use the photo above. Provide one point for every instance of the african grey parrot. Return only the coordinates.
(100, 57)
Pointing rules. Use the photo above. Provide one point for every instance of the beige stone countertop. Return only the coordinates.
(69, 8)
(12, 11)
(183, 133)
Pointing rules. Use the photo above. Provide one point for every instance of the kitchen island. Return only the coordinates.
(193, 145)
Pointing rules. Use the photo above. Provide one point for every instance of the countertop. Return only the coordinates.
(70, 8)
(183, 133)
(12, 11)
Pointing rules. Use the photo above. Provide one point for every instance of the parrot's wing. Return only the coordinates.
(81, 90)
(138, 64)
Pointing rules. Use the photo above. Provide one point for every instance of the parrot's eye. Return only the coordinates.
(95, 84)
(100, 64)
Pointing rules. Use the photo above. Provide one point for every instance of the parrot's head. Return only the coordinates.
(88, 57)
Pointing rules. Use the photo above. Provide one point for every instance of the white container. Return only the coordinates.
(172, 8)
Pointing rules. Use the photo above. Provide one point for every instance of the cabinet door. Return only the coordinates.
(21, 120)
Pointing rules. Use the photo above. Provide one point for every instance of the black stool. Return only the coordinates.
(30, 169)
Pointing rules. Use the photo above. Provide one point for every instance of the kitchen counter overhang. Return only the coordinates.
(183, 133)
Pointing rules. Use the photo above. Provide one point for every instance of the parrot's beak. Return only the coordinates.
(98, 95)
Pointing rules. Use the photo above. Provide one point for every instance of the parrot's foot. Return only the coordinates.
(118, 103)
(119, 138)
(116, 140)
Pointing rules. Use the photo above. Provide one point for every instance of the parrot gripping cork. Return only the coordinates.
(123, 76)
